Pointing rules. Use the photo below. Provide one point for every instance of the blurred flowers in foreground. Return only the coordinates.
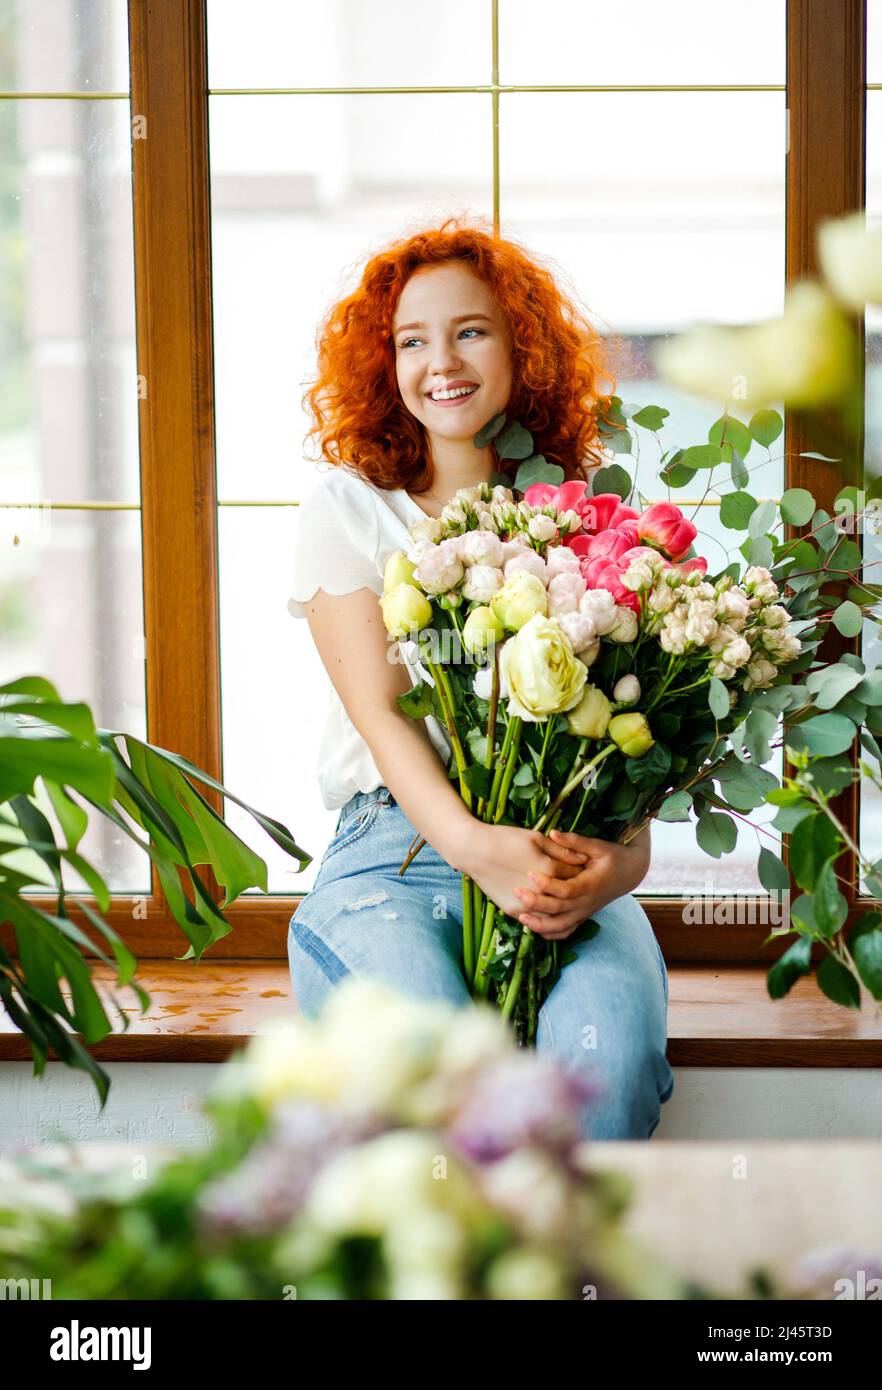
(808, 357)
(391, 1149)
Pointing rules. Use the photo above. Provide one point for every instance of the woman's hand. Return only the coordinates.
(555, 906)
(498, 856)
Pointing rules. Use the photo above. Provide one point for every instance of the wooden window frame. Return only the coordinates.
(826, 177)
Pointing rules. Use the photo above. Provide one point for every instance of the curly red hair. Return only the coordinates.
(558, 360)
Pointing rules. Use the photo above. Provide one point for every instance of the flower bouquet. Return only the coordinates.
(390, 1149)
(592, 674)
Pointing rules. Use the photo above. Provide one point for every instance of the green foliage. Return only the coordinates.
(53, 760)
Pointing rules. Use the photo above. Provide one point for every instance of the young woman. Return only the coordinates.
(446, 329)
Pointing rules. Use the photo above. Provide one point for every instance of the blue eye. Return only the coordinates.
(462, 330)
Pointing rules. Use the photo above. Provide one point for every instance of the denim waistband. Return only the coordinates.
(359, 799)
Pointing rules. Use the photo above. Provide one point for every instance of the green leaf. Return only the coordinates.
(761, 519)
(832, 682)
(613, 478)
(848, 619)
(794, 963)
(537, 469)
(675, 807)
(869, 692)
(651, 769)
(812, 842)
(731, 433)
(838, 983)
(514, 442)
(718, 698)
(802, 915)
(738, 471)
(772, 871)
(489, 431)
(760, 550)
(797, 506)
(479, 779)
(702, 456)
(759, 730)
(831, 909)
(716, 831)
(823, 735)
(736, 509)
(865, 945)
(789, 817)
(650, 417)
(675, 474)
(766, 426)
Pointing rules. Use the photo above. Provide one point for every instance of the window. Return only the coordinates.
(276, 144)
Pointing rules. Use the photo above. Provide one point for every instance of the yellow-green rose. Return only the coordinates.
(592, 714)
(405, 609)
(539, 671)
(481, 629)
(630, 733)
(519, 599)
(397, 570)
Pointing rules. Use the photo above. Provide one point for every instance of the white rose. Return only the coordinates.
(627, 690)
(600, 606)
(625, 626)
(580, 630)
(564, 592)
(529, 562)
(481, 583)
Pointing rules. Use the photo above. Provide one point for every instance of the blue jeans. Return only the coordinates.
(606, 1015)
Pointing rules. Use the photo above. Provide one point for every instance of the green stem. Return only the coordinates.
(443, 690)
(500, 769)
(574, 781)
(508, 774)
(513, 990)
(468, 935)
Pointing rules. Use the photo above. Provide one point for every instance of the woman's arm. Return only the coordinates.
(360, 660)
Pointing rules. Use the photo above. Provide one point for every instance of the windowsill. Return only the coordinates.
(718, 1016)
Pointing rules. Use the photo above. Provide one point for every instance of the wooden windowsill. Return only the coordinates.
(719, 1016)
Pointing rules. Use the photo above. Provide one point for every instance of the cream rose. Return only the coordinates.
(543, 674)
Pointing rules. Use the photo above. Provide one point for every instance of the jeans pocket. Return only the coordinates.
(356, 824)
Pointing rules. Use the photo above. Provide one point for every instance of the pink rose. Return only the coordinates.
(605, 512)
(611, 544)
(665, 527)
(697, 563)
(604, 573)
(645, 553)
(569, 497)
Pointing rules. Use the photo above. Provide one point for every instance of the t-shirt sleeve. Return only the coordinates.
(336, 540)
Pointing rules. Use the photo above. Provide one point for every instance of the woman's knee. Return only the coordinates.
(372, 929)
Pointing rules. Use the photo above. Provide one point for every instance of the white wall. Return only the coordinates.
(158, 1102)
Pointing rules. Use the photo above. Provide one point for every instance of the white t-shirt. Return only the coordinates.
(346, 529)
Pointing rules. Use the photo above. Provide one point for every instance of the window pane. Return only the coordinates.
(591, 41)
(68, 388)
(64, 46)
(274, 693)
(347, 43)
(664, 209)
(71, 610)
(291, 217)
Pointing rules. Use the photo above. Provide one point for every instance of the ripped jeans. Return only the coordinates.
(606, 1015)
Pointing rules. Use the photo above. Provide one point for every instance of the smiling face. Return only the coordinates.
(449, 332)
